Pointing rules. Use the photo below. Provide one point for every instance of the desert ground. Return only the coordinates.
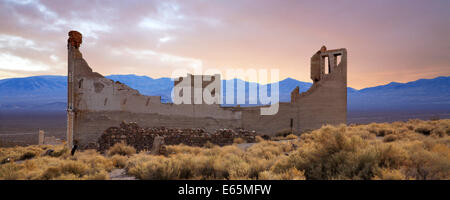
(22, 128)
(412, 150)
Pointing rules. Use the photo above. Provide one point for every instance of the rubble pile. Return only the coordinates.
(142, 138)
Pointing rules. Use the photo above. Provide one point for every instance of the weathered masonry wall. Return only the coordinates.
(96, 103)
(143, 138)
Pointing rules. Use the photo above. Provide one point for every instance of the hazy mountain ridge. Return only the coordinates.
(50, 92)
(422, 94)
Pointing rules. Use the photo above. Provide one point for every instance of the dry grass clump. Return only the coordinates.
(58, 165)
(408, 150)
(290, 174)
(121, 149)
(9, 171)
(20, 153)
(330, 154)
(390, 174)
(94, 161)
(119, 161)
(228, 162)
(182, 148)
(291, 137)
(186, 162)
(60, 151)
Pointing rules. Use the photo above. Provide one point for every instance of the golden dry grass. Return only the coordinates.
(413, 150)
(121, 149)
(84, 165)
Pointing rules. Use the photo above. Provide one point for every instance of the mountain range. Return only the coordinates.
(49, 93)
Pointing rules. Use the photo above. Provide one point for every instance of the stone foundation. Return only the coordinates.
(142, 138)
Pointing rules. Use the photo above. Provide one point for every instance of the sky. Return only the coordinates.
(401, 41)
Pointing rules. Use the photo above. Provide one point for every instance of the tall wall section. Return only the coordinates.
(326, 101)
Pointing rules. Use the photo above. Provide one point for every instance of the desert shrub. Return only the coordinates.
(73, 167)
(119, 161)
(51, 173)
(282, 165)
(440, 132)
(287, 137)
(390, 138)
(267, 158)
(95, 161)
(20, 153)
(102, 175)
(290, 174)
(157, 167)
(182, 148)
(66, 168)
(391, 156)
(428, 164)
(85, 165)
(61, 152)
(196, 167)
(383, 131)
(137, 159)
(9, 171)
(82, 166)
(197, 163)
(256, 166)
(291, 137)
(231, 166)
(359, 131)
(268, 149)
(390, 174)
(121, 149)
(71, 170)
(333, 155)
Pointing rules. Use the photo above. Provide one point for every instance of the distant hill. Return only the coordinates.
(34, 93)
(49, 93)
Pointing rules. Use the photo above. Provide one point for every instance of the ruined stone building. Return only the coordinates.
(96, 103)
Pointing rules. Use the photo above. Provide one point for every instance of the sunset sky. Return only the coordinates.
(386, 40)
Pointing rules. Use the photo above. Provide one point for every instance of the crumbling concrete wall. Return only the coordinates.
(326, 101)
(96, 103)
